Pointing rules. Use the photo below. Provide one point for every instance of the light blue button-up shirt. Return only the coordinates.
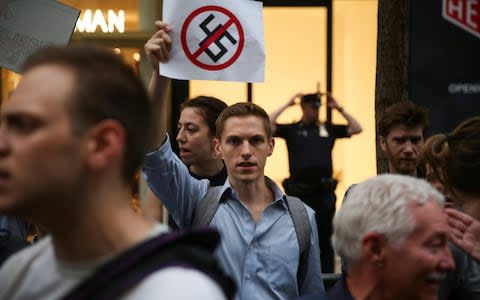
(261, 258)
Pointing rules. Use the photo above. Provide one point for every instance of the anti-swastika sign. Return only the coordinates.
(463, 13)
(215, 40)
(223, 32)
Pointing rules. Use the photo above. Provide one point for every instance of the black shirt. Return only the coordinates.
(310, 149)
(215, 180)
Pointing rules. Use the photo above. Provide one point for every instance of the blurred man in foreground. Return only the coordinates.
(72, 136)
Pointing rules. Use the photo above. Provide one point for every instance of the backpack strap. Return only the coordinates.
(303, 229)
(207, 207)
(189, 249)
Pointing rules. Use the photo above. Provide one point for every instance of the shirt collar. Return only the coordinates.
(278, 196)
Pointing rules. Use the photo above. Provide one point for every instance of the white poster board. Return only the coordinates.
(215, 40)
(26, 25)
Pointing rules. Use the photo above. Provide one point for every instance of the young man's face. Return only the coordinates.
(402, 147)
(38, 152)
(244, 146)
(415, 268)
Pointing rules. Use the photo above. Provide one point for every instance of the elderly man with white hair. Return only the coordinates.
(392, 233)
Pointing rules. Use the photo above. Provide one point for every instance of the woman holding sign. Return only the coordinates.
(196, 130)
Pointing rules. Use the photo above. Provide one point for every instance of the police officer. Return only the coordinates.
(310, 143)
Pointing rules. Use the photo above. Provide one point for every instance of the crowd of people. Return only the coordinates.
(80, 125)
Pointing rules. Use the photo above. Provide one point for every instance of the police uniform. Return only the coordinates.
(310, 163)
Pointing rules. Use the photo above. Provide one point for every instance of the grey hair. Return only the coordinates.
(379, 204)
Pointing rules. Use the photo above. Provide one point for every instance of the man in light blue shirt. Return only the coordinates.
(259, 247)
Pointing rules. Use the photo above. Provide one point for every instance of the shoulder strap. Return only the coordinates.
(207, 207)
(190, 249)
(303, 229)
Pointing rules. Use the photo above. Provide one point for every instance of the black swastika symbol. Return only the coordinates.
(224, 42)
(209, 33)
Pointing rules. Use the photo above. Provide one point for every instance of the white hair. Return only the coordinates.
(379, 204)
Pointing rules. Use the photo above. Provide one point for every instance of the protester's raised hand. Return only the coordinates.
(332, 102)
(157, 48)
(465, 232)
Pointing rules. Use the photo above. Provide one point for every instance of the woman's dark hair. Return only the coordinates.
(209, 107)
(434, 152)
(463, 158)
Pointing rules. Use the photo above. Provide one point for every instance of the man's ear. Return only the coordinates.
(383, 143)
(271, 146)
(106, 143)
(374, 247)
(216, 147)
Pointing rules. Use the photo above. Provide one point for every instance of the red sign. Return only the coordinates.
(463, 13)
(233, 45)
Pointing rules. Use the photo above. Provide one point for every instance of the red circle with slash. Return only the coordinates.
(232, 20)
